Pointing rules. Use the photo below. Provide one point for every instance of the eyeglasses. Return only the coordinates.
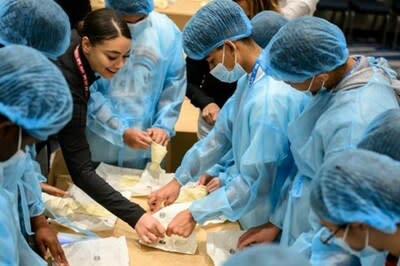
(327, 238)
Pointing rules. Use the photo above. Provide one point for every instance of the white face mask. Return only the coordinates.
(365, 252)
(220, 72)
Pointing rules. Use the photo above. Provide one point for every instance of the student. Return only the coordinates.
(141, 104)
(311, 55)
(356, 196)
(34, 103)
(253, 123)
(101, 49)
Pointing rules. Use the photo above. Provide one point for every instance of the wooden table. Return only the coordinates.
(142, 255)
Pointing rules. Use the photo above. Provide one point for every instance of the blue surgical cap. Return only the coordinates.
(33, 93)
(305, 47)
(214, 23)
(266, 255)
(265, 25)
(383, 135)
(41, 24)
(131, 7)
(358, 186)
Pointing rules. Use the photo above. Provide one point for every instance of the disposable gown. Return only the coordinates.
(16, 175)
(253, 123)
(148, 92)
(334, 121)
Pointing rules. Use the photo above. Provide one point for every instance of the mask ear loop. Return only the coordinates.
(367, 238)
(19, 139)
(309, 86)
(223, 53)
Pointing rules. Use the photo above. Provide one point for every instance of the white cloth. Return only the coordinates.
(297, 8)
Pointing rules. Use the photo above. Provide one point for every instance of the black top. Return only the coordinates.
(203, 88)
(75, 147)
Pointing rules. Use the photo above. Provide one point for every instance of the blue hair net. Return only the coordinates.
(305, 47)
(33, 92)
(267, 255)
(213, 24)
(383, 135)
(265, 25)
(131, 7)
(358, 186)
(41, 24)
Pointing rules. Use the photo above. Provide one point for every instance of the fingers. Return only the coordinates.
(160, 230)
(245, 240)
(214, 184)
(159, 136)
(154, 202)
(53, 190)
(58, 254)
(42, 248)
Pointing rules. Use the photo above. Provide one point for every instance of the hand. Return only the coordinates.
(149, 229)
(53, 190)
(159, 135)
(137, 139)
(210, 113)
(183, 224)
(265, 233)
(214, 184)
(204, 179)
(46, 238)
(167, 195)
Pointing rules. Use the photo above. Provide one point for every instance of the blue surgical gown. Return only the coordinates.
(20, 199)
(334, 121)
(253, 124)
(146, 93)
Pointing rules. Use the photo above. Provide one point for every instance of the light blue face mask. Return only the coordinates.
(367, 251)
(220, 72)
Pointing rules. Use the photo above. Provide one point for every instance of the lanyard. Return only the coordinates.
(253, 74)
(85, 79)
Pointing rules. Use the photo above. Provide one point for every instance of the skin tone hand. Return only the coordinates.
(149, 229)
(167, 195)
(46, 238)
(265, 233)
(212, 183)
(210, 113)
(53, 190)
(137, 139)
(183, 224)
(159, 135)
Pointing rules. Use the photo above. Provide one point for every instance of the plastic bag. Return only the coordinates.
(222, 245)
(174, 243)
(98, 252)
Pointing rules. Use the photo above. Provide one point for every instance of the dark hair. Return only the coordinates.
(102, 25)
(76, 10)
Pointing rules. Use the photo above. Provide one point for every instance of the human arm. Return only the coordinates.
(297, 8)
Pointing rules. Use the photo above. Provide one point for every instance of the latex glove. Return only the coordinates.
(53, 190)
(46, 238)
(183, 224)
(159, 135)
(137, 139)
(167, 195)
(210, 113)
(149, 229)
(265, 233)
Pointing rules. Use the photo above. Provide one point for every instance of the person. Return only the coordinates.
(291, 9)
(102, 47)
(34, 104)
(207, 92)
(42, 25)
(76, 10)
(252, 124)
(141, 104)
(356, 196)
(267, 255)
(348, 92)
